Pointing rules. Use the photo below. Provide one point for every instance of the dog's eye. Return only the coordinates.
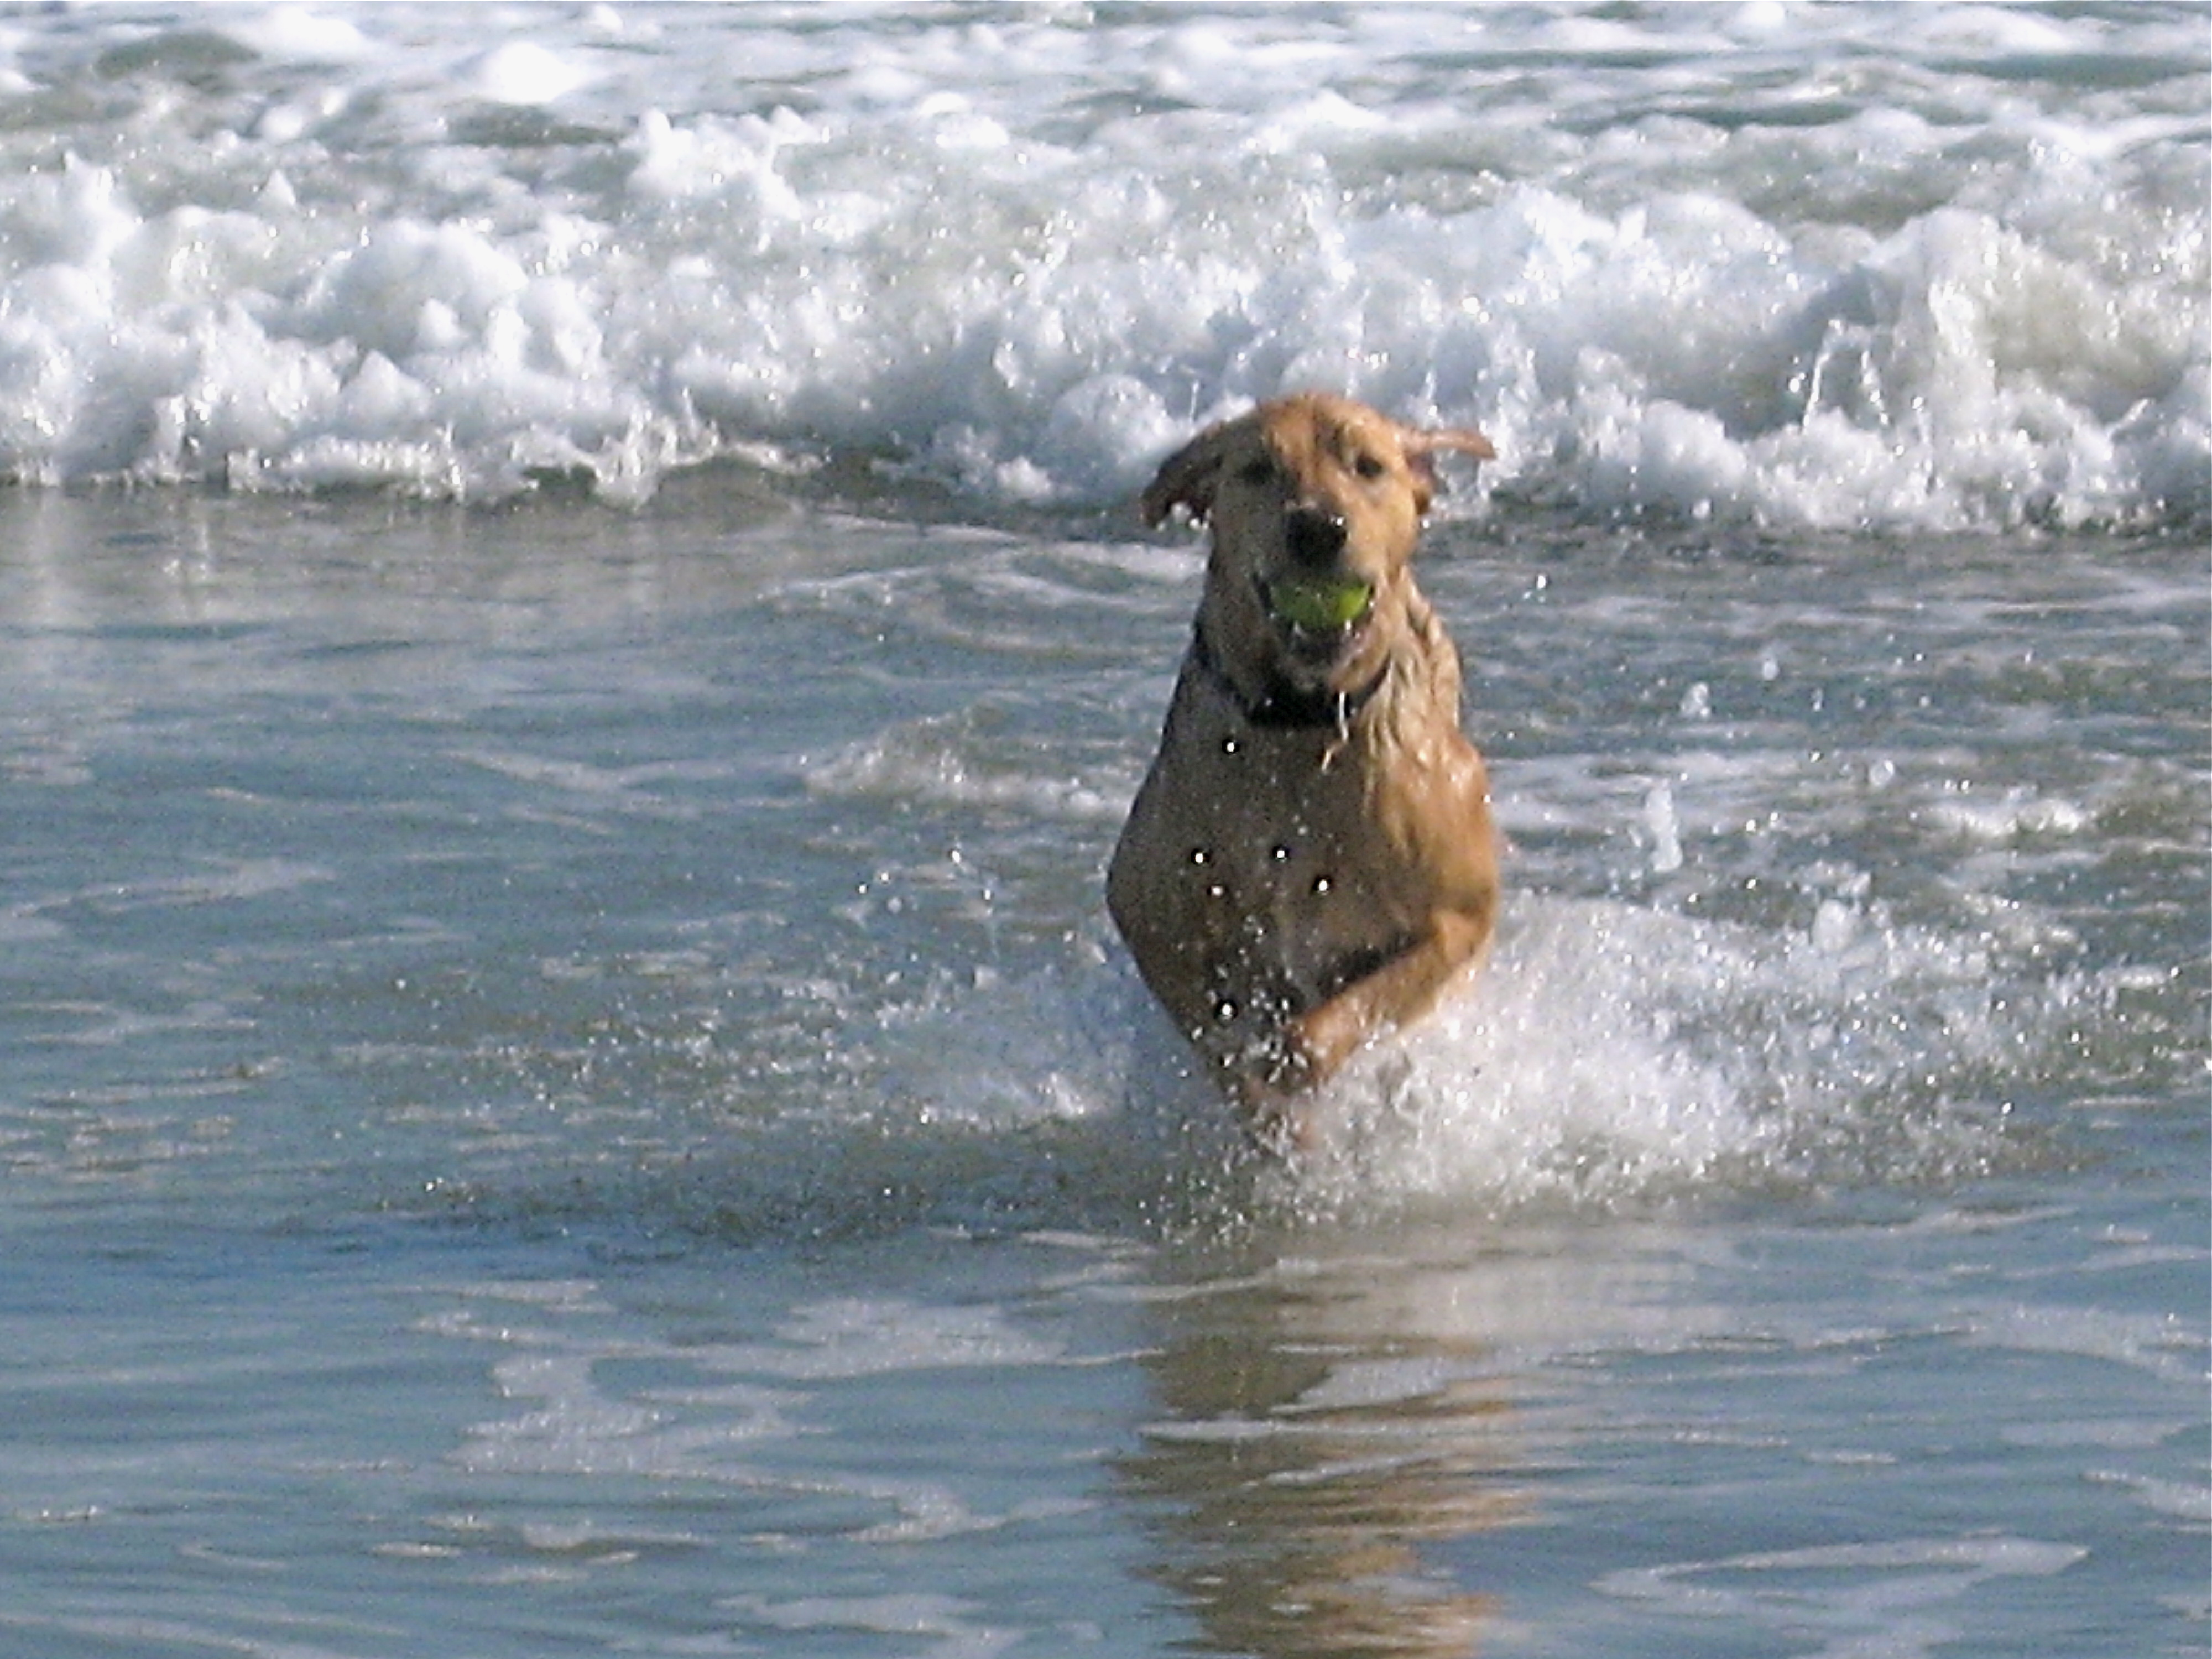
(1368, 466)
(1257, 471)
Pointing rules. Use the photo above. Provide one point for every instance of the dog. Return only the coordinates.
(1310, 859)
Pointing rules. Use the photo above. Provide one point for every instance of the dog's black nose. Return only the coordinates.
(1316, 537)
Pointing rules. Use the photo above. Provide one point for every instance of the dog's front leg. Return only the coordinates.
(1272, 1098)
(1402, 990)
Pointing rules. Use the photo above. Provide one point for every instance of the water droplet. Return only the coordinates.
(1835, 924)
(1666, 830)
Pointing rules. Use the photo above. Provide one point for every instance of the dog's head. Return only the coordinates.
(1315, 504)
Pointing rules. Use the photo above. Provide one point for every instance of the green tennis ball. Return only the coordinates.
(1319, 603)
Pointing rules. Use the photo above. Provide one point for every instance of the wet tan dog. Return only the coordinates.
(1310, 859)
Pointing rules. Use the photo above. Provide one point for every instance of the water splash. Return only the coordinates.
(1610, 1057)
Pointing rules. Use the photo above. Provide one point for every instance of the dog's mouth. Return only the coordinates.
(1318, 616)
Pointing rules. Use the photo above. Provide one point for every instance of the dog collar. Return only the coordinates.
(1286, 708)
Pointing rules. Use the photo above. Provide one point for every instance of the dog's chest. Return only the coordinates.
(1284, 873)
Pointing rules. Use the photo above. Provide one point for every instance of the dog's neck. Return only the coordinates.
(1281, 706)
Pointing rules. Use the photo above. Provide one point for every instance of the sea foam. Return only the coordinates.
(1964, 285)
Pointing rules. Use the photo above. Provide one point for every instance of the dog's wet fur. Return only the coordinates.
(1310, 859)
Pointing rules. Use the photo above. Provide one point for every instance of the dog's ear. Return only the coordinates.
(1186, 478)
(1420, 446)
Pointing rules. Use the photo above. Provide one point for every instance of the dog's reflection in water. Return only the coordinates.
(1314, 1443)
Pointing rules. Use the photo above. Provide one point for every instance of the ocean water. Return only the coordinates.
(572, 643)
